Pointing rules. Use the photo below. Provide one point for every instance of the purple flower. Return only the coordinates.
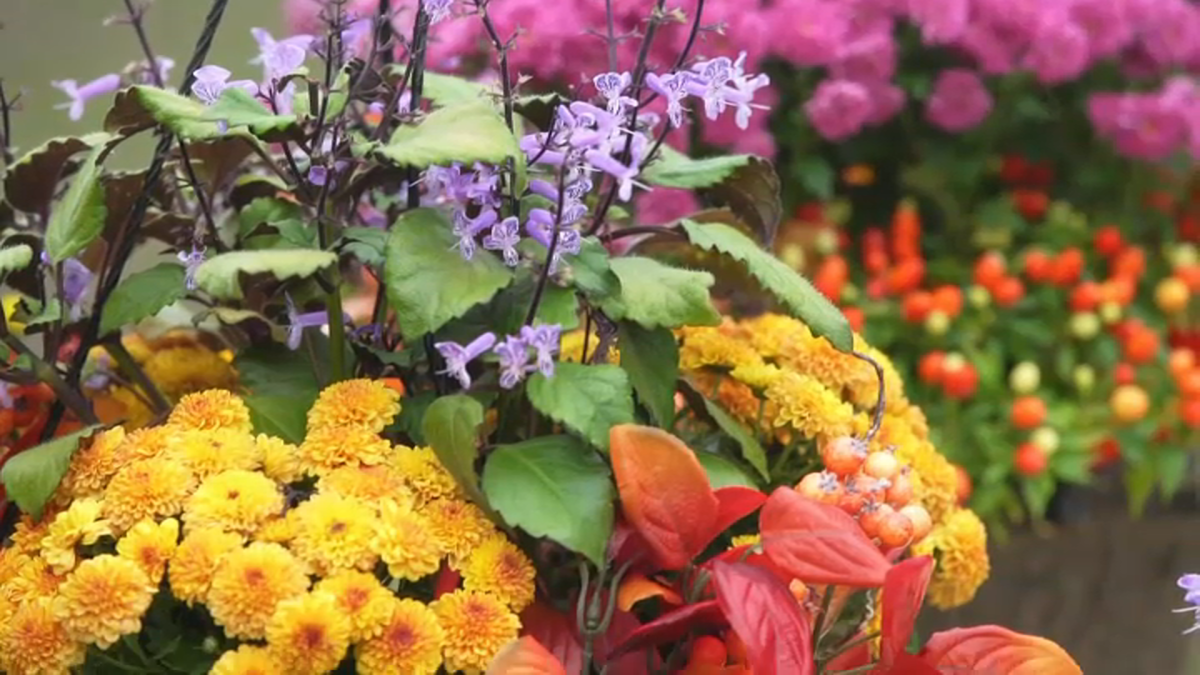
(6, 400)
(504, 237)
(457, 356)
(743, 90)
(297, 322)
(191, 261)
(540, 225)
(101, 374)
(611, 86)
(1059, 52)
(466, 229)
(1191, 584)
(545, 342)
(80, 95)
(673, 88)
(76, 278)
(144, 74)
(438, 10)
(514, 357)
(212, 81)
(941, 21)
(280, 57)
(959, 100)
(838, 109)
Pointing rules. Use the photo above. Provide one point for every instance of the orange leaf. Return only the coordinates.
(903, 592)
(638, 587)
(818, 543)
(665, 493)
(525, 656)
(993, 649)
(556, 632)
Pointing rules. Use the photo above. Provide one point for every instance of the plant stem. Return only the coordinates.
(337, 337)
(5, 127)
(611, 29)
(550, 251)
(383, 32)
(417, 87)
(134, 372)
(506, 88)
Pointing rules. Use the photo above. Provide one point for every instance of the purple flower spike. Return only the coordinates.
(80, 95)
(1191, 584)
(611, 86)
(514, 355)
(672, 87)
(457, 356)
(297, 322)
(280, 57)
(76, 278)
(466, 229)
(438, 10)
(545, 342)
(211, 81)
(504, 237)
(191, 261)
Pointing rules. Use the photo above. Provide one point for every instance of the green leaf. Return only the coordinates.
(365, 243)
(674, 169)
(31, 477)
(13, 258)
(505, 313)
(752, 193)
(31, 182)
(793, 290)
(651, 359)
(32, 312)
(266, 371)
(1139, 485)
(1171, 467)
(220, 275)
(239, 108)
(78, 218)
(464, 132)
(752, 450)
(654, 294)
(428, 282)
(587, 399)
(591, 271)
(412, 413)
(451, 427)
(179, 114)
(723, 473)
(143, 294)
(554, 487)
(282, 415)
(446, 90)
(816, 176)
(1037, 492)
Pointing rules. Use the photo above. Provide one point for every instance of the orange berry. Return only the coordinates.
(1031, 204)
(844, 455)
(865, 485)
(1190, 276)
(964, 487)
(1124, 373)
(1119, 290)
(1067, 267)
(960, 382)
(1086, 296)
(1189, 383)
(1172, 295)
(990, 269)
(872, 517)
(881, 465)
(895, 530)
(917, 306)
(1038, 266)
(1189, 412)
(900, 492)
(1030, 460)
(906, 275)
(1130, 263)
(1106, 452)
(1027, 412)
(855, 317)
(920, 519)
(811, 486)
(1008, 292)
(1108, 241)
(709, 650)
(1141, 346)
(852, 501)
(1129, 403)
(948, 299)
(929, 369)
(1180, 362)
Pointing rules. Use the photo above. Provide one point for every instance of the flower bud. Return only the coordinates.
(1084, 377)
(1085, 325)
(1025, 378)
(937, 323)
(210, 645)
(979, 297)
(1046, 439)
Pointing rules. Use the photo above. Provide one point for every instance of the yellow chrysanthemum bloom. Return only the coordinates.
(934, 480)
(103, 599)
(712, 346)
(771, 334)
(150, 545)
(148, 488)
(804, 404)
(195, 562)
(212, 451)
(334, 533)
(187, 369)
(405, 541)
(278, 529)
(147, 442)
(33, 580)
(424, 473)
(327, 448)
(476, 626)
(237, 501)
(93, 466)
(11, 562)
(79, 524)
(410, 642)
(369, 404)
(498, 567)
(307, 635)
(757, 375)
(131, 408)
(458, 526)
(246, 660)
(745, 540)
(959, 545)
(33, 640)
(211, 409)
(280, 459)
(571, 347)
(361, 599)
(248, 585)
(28, 534)
(369, 484)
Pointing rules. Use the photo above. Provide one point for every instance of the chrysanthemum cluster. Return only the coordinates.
(796, 389)
(296, 552)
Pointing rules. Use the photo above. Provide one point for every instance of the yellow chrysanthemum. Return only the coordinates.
(805, 405)
(711, 346)
(103, 599)
(211, 409)
(498, 567)
(246, 660)
(571, 347)
(147, 442)
(33, 580)
(11, 562)
(405, 541)
(34, 641)
(308, 635)
(370, 484)
(132, 410)
(238, 501)
(458, 526)
(137, 347)
(959, 545)
(934, 479)
(195, 562)
(424, 474)
(361, 599)
(476, 626)
(150, 545)
(28, 534)
(184, 370)
(248, 585)
(278, 529)
(280, 459)
(770, 334)
(369, 404)
(334, 532)
(410, 642)
(757, 375)
(148, 488)
(93, 466)
(745, 540)
(79, 524)
(327, 448)
(212, 451)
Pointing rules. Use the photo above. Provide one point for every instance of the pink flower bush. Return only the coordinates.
(959, 100)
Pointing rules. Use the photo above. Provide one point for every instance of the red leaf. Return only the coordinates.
(702, 616)
(818, 543)
(908, 664)
(626, 545)
(556, 632)
(446, 582)
(766, 616)
(736, 502)
(903, 592)
(665, 493)
(855, 657)
(525, 656)
(993, 649)
(633, 663)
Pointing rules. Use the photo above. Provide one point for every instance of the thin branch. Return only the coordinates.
(507, 89)
(6, 126)
(611, 30)
(129, 366)
(550, 251)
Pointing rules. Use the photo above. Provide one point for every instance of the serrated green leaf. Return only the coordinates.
(79, 217)
(237, 107)
(220, 276)
(724, 473)
(365, 243)
(589, 400)
(31, 477)
(591, 271)
(554, 487)
(428, 282)
(143, 294)
(651, 359)
(752, 450)
(1171, 467)
(674, 169)
(465, 132)
(752, 193)
(31, 181)
(179, 114)
(1139, 485)
(793, 290)
(13, 258)
(32, 312)
(266, 371)
(451, 427)
(446, 90)
(1037, 493)
(282, 415)
(654, 295)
